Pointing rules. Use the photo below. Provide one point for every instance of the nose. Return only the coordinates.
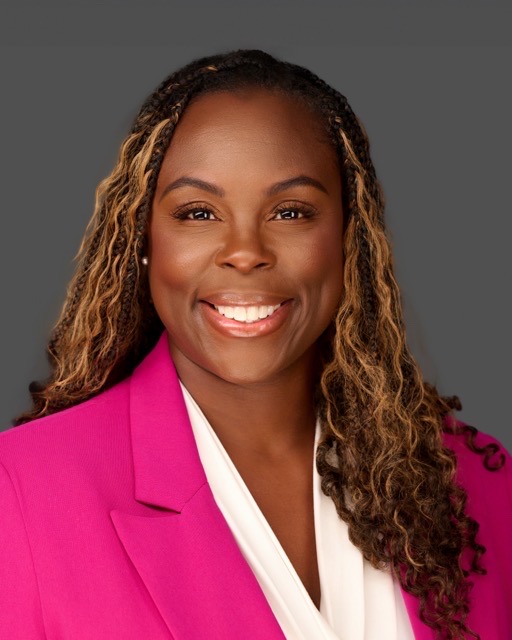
(245, 250)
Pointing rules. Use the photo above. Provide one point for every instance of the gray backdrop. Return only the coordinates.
(430, 82)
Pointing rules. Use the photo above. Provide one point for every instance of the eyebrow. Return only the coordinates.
(297, 181)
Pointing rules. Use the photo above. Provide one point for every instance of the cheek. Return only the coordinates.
(176, 264)
(165, 272)
(321, 264)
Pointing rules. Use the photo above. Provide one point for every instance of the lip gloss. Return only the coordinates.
(232, 328)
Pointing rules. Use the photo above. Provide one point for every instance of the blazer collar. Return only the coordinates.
(167, 467)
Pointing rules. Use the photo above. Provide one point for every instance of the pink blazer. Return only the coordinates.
(110, 531)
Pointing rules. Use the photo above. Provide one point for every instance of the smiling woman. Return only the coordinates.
(253, 243)
(235, 430)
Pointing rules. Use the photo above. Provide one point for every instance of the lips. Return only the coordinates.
(243, 315)
(240, 299)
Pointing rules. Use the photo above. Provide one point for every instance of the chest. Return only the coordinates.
(284, 494)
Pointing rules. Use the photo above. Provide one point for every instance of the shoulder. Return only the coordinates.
(484, 470)
(76, 432)
(475, 449)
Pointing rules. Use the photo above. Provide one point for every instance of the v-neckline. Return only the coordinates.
(342, 570)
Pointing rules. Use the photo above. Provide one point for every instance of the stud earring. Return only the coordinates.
(145, 260)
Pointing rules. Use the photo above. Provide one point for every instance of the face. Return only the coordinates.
(245, 237)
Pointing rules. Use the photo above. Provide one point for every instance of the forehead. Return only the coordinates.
(252, 125)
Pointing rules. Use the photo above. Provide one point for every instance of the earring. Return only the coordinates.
(145, 260)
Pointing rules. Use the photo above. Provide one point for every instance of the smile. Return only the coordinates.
(246, 320)
(247, 314)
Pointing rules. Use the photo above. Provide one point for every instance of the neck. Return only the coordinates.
(270, 418)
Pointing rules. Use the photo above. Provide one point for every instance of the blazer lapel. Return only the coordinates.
(182, 547)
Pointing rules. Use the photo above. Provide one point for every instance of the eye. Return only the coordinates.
(197, 212)
(293, 212)
(200, 214)
(288, 214)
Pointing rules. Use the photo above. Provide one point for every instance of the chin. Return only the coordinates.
(241, 374)
(241, 364)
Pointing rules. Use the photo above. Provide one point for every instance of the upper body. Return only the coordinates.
(110, 530)
(244, 218)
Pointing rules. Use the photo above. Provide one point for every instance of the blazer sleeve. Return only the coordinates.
(20, 604)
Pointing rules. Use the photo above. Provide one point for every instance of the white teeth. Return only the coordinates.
(229, 312)
(240, 314)
(252, 314)
(248, 314)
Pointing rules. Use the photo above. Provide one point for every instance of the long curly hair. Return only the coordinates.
(381, 455)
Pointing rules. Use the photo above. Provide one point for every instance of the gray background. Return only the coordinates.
(430, 81)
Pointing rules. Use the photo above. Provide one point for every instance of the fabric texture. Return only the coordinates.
(109, 528)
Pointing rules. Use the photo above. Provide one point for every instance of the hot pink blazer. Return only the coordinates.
(109, 529)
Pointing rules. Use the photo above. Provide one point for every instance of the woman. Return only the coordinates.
(235, 441)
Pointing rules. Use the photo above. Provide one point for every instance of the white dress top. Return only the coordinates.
(358, 602)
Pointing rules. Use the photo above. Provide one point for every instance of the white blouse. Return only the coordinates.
(358, 602)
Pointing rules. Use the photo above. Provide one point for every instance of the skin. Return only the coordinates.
(243, 143)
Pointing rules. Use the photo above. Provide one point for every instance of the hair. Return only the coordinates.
(381, 455)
